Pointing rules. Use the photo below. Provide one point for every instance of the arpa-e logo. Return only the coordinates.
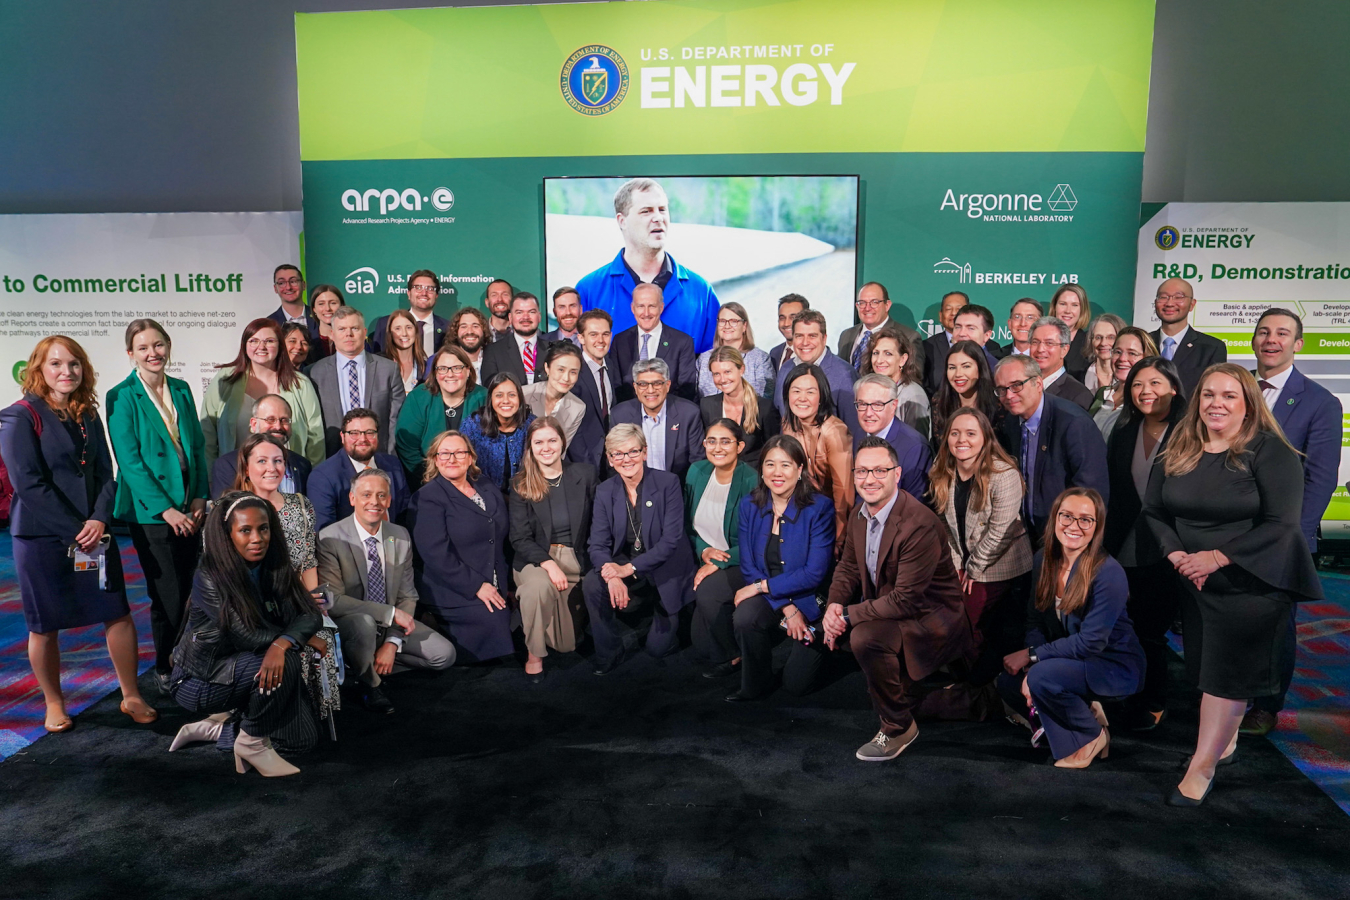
(361, 281)
(391, 199)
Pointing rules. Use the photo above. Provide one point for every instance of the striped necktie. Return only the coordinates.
(527, 357)
(353, 386)
(375, 592)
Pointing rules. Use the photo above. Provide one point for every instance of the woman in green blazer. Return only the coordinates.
(713, 491)
(162, 482)
(440, 403)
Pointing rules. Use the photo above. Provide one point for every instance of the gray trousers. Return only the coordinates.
(362, 636)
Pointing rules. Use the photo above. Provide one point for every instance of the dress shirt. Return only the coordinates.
(1029, 429)
(1179, 339)
(652, 343)
(863, 331)
(1013, 351)
(477, 369)
(601, 383)
(361, 466)
(654, 427)
(1272, 394)
(875, 525)
(1047, 380)
(428, 332)
(391, 637)
(534, 345)
(343, 363)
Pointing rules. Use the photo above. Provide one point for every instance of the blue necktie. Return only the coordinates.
(1169, 347)
(859, 352)
(353, 387)
(1026, 455)
(375, 577)
(643, 354)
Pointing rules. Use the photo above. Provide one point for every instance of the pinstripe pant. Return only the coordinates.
(285, 715)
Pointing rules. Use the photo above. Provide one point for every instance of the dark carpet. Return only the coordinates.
(645, 783)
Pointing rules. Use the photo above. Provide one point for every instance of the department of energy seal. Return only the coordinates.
(594, 80)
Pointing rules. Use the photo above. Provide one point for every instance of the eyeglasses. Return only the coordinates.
(726, 443)
(451, 370)
(424, 289)
(649, 385)
(1084, 522)
(276, 420)
(364, 434)
(874, 406)
(1050, 344)
(452, 455)
(621, 455)
(289, 282)
(870, 304)
(1116, 351)
(1013, 388)
(878, 472)
(731, 321)
(1177, 297)
(254, 343)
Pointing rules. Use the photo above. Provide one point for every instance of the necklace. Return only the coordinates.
(633, 523)
(552, 483)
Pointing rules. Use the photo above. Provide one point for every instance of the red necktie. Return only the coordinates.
(528, 358)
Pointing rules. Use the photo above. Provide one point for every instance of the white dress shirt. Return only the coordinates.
(601, 383)
(343, 363)
(428, 333)
(652, 344)
(1272, 395)
(391, 636)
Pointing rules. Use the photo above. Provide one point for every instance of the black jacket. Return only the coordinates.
(532, 525)
(1128, 537)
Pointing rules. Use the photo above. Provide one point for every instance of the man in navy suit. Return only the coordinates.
(650, 338)
(289, 286)
(271, 414)
(639, 551)
(330, 483)
(424, 289)
(876, 403)
(788, 307)
(520, 355)
(1189, 350)
(811, 344)
(976, 323)
(672, 427)
(936, 346)
(566, 310)
(1055, 443)
(1311, 418)
(597, 385)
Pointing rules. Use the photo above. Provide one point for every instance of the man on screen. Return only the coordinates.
(643, 214)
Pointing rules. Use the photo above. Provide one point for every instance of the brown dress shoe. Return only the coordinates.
(1258, 722)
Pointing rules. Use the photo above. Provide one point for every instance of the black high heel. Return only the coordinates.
(1180, 799)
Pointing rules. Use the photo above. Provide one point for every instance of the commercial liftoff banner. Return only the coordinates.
(932, 145)
(1243, 258)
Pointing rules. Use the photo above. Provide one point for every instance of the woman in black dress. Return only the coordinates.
(736, 400)
(1225, 509)
(57, 455)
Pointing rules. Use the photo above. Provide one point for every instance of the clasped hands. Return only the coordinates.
(388, 652)
(614, 575)
(834, 624)
(1197, 567)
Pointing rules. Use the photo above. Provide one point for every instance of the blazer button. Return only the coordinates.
(161, 454)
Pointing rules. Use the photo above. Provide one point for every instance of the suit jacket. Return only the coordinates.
(1199, 352)
(666, 559)
(767, 424)
(1075, 363)
(343, 564)
(330, 486)
(996, 537)
(504, 356)
(1066, 387)
(676, 348)
(935, 349)
(589, 391)
(460, 546)
(556, 335)
(916, 586)
(1070, 452)
(384, 396)
(915, 456)
(51, 497)
(807, 549)
(150, 480)
(569, 411)
(532, 522)
(375, 339)
(1128, 537)
(1311, 418)
(850, 334)
(743, 481)
(1100, 631)
(684, 431)
(226, 469)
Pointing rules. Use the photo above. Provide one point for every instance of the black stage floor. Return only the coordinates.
(645, 783)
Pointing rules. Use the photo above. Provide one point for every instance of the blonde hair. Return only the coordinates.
(750, 415)
(1084, 310)
(429, 470)
(993, 459)
(1188, 443)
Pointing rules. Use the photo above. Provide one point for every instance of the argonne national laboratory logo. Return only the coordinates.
(594, 80)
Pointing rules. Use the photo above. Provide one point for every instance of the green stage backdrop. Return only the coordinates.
(999, 143)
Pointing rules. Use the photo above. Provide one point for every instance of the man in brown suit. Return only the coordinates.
(896, 591)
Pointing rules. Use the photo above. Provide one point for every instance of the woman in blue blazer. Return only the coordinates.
(161, 480)
(497, 431)
(787, 549)
(57, 456)
(1081, 647)
(459, 530)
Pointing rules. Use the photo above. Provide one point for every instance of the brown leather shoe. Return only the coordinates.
(1258, 722)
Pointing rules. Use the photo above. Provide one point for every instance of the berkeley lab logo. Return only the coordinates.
(594, 80)
(945, 266)
(361, 281)
(1167, 238)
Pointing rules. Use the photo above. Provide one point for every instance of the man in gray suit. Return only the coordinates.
(368, 563)
(352, 378)
(874, 312)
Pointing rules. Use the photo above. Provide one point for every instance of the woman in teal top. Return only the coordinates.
(441, 403)
(162, 483)
(713, 491)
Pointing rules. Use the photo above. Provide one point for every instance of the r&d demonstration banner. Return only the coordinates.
(933, 145)
(1242, 259)
(202, 276)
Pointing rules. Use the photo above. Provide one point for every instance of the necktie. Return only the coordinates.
(527, 357)
(353, 386)
(375, 576)
(421, 333)
(643, 354)
(1169, 347)
(604, 395)
(1026, 442)
(1265, 385)
(860, 351)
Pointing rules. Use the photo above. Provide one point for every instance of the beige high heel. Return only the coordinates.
(207, 729)
(1101, 747)
(258, 753)
(1099, 714)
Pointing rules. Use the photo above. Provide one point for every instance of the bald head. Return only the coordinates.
(648, 304)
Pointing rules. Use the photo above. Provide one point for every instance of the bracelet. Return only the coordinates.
(795, 612)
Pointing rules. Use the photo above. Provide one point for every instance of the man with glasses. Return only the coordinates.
(874, 311)
(566, 310)
(672, 427)
(289, 286)
(1021, 318)
(651, 338)
(331, 482)
(271, 415)
(1189, 350)
(1049, 347)
(875, 399)
(639, 551)
(352, 378)
(522, 356)
(1055, 443)
(424, 289)
(897, 599)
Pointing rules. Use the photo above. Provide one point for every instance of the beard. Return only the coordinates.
(471, 342)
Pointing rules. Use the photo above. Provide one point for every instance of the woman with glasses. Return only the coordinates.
(553, 396)
(787, 550)
(713, 491)
(459, 529)
(295, 338)
(401, 345)
(968, 385)
(1131, 345)
(1070, 305)
(892, 354)
(446, 398)
(324, 300)
(738, 402)
(1101, 339)
(262, 367)
(497, 430)
(823, 436)
(550, 513)
(1081, 649)
(734, 331)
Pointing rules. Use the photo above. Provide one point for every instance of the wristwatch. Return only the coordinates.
(1031, 655)
(844, 615)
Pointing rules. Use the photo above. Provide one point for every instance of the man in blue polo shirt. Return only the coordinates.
(643, 214)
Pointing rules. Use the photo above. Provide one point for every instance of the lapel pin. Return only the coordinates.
(1290, 401)
(649, 503)
(675, 427)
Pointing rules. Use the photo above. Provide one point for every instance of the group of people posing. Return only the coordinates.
(985, 529)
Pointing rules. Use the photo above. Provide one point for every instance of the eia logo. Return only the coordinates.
(1167, 238)
(362, 281)
(594, 80)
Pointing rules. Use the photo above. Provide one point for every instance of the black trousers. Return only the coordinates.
(286, 710)
(662, 638)
(714, 603)
(169, 562)
(756, 626)
(1155, 599)
(1288, 651)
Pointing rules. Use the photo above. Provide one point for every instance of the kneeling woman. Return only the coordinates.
(787, 547)
(248, 620)
(1081, 647)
